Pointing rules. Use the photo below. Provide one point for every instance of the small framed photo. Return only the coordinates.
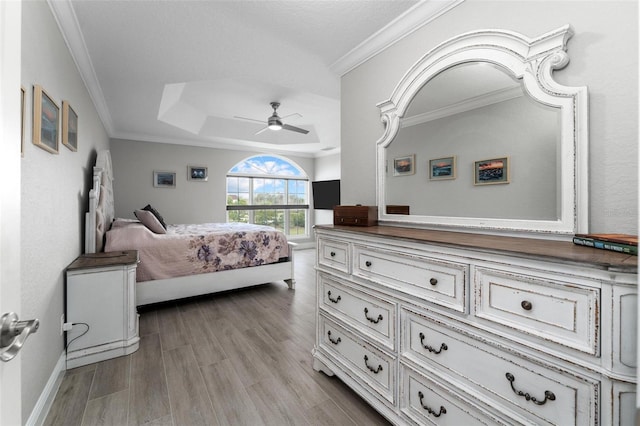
(69, 127)
(23, 117)
(405, 165)
(197, 173)
(491, 171)
(164, 179)
(46, 119)
(442, 168)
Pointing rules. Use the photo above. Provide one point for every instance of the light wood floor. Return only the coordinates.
(238, 358)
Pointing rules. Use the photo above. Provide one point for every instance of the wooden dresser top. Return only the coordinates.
(100, 260)
(550, 250)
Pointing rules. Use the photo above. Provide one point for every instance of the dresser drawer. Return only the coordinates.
(375, 369)
(334, 254)
(551, 310)
(372, 316)
(529, 391)
(426, 402)
(434, 280)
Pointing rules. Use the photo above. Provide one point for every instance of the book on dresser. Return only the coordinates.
(622, 243)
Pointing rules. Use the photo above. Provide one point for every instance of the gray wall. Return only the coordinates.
(517, 128)
(54, 195)
(190, 201)
(604, 57)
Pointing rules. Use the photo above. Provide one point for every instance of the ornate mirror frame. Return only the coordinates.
(531, 61)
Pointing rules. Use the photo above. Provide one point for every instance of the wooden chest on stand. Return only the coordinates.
(355, 215)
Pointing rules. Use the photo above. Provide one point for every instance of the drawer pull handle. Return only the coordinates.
(373, 320)
(443, 347)
(336, 300)
(373, 370)
(336, 341)
(433, 281)
(368, 263)
(526, 305)
(548, 395)
(429, 410)
(332, 254)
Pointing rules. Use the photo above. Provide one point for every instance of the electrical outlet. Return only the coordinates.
(62, 324)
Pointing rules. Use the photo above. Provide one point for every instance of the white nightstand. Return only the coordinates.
(101, 292)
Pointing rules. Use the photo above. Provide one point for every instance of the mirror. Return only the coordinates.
(479, 135)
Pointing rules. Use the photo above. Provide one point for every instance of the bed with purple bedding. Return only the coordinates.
(197, 249)
(185, 260)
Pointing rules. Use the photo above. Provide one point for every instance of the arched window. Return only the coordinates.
(269, 190)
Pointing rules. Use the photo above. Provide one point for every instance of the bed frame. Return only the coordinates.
(100, 215)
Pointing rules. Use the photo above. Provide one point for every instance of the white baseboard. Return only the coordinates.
(43, 405)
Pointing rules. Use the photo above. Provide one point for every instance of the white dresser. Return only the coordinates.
(434, 327)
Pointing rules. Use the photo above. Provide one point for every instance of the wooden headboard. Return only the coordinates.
(101, 206)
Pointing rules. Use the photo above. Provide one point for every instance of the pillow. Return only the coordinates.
(119, 222)
(149, 220)
(156, 214)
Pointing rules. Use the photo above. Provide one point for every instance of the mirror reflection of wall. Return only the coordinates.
(478, 112)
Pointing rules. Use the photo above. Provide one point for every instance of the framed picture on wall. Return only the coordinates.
(491, 171)
(197, 173)
(405, 165)
(23, 118)
(69, 127)
(162, 179)
(442, 168)
(46, 119)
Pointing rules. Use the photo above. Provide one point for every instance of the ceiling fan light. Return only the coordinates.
(274, 123)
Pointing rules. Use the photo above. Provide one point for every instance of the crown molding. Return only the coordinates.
(68, 24)
(464, 106)
(411, 20)
(213, 143)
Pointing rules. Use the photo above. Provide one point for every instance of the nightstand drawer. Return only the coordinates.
(372, 316)
(551, 310)
(525, 388)
(434, 280)
(334, 254)
(376, 369)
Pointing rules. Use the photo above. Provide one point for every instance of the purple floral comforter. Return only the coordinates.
(196, 249)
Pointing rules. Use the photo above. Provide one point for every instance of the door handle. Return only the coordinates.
(13, 334)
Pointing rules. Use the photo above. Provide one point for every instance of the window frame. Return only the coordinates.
(252, 208)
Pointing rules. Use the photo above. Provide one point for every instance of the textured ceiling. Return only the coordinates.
(181, 71)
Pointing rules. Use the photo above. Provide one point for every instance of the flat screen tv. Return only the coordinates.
(326, 194)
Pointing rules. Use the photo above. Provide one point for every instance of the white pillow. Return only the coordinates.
(149, 220)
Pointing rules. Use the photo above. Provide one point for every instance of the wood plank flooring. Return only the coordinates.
(237, 358)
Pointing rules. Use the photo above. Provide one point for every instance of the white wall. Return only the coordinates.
(604, 57)
(190, 201)
(54, 195)
(327, 168)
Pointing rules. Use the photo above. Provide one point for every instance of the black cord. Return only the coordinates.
(77, 337)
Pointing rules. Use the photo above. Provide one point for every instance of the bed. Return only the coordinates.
(204, 273)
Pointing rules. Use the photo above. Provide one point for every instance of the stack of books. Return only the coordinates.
(622, 243)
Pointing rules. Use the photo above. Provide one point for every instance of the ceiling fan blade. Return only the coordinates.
(249, 119)
(260, 131)
(294, 129)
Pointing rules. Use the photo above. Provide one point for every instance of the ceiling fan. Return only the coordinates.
(274, 122)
